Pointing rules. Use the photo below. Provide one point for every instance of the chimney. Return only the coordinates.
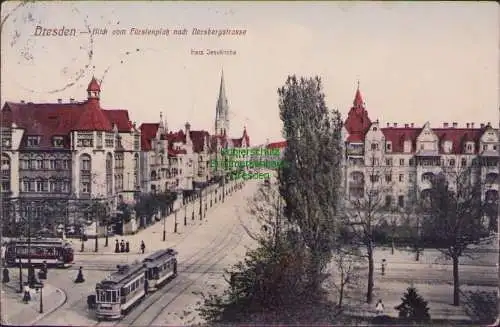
(445, 125)
(71, 100)
(22, 101)
(406, 125)
(455, 124)
(471, 125)
(482, 125)
(395, 124)
(412, 125)
(59, 100)
(388, 124)
(468, 125)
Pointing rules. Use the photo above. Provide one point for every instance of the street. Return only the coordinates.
(205, 249)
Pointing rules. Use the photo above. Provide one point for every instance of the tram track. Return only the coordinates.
(177, 290)
(215, 247)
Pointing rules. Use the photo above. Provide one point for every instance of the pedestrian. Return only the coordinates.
(117, 246)
(127, 247)
(6, 277)
(79, 277)
(384, 263)
(143, 247)
(45, 269)
(26, 293)
(122, 246)
(379, 308)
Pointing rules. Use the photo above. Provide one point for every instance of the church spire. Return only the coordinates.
(358, 99)
(222, 109)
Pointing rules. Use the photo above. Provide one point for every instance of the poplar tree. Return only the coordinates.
(310, 181)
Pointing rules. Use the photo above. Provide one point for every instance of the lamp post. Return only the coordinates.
(41, 296)
(164, 228)
(20, 275)
(175, 221)
(97, 228)
(201, 204)
(185, 214)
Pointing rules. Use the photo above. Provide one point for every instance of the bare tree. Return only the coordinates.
(410, 216)
(453, 210)
(346, 262)
(366, 211)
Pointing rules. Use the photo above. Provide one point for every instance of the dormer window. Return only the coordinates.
(447, 146)
(33, 141)
(469, 147)
(58, 141)
(388, 146)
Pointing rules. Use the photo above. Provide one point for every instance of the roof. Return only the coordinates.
(357, 121)
(94, 85)
(277, 145)
(199, 139)
(59, 119)
(148, 132)
(458, 137)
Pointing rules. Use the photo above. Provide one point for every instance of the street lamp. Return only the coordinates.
(175, 221)
(185, 214)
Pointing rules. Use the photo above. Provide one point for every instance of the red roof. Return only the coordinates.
(59, 119)
(458, 137)
(199, 139)
(277, 145)
(148, 132)
(94, 85)
(357, 121)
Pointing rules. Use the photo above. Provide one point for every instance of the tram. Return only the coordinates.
(161, 266)
(121, 291)
(55, 252)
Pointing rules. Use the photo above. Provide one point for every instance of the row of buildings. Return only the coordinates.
(404, 159)
(56, 154)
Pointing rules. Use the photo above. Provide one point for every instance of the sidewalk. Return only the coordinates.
(152, 235)
(439, 298)
(17, 313)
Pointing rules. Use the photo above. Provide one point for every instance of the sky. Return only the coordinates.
(416, 62)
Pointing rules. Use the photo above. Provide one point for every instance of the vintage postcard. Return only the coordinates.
(249, 163)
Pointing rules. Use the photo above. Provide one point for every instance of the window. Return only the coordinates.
(452, 162)
(401, 178)
(374, 146)
(388, 178)
(65, 186)
(495, 147)
(66, 163)
(464, 162)
(469, 147)
(411, 162)
(58, 142)
(375, 161)
(39, 163)
(5, 186)
(41, 186)
(401, 162)
(33, 141)
(52, 186)
(374, 178)
(388, 162)
(85, 163)
(388, 146)
(388, 201)
(85, 187)
(27, 186)
(401, 201)
(485, 147)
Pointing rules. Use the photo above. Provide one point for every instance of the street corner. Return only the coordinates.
(42, 303)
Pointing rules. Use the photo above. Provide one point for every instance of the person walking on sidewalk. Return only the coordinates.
(383, 265)
(122, 246)
(79, 277)
(379, 308)
(117, 246)
(26, 293)
(127, 246)
(143, 247)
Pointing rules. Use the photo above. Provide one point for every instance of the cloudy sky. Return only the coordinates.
(416, 62)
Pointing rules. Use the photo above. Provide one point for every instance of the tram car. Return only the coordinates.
(117, 294)
(120, 291)
(161, 267)
(55, 252)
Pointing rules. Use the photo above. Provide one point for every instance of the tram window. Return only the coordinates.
(114, 296)
(102, 296)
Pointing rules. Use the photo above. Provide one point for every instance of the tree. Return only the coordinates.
(411, 221)
(346, 264)
(149, 204)
(413, 307)
(366, 211)
(453, 210)
(272, 276)
(310, 181)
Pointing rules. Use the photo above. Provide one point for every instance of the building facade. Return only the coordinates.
(57, 155)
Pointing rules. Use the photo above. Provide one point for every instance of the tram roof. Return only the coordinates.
(123, 274)
(160, 254)
(51, 241)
